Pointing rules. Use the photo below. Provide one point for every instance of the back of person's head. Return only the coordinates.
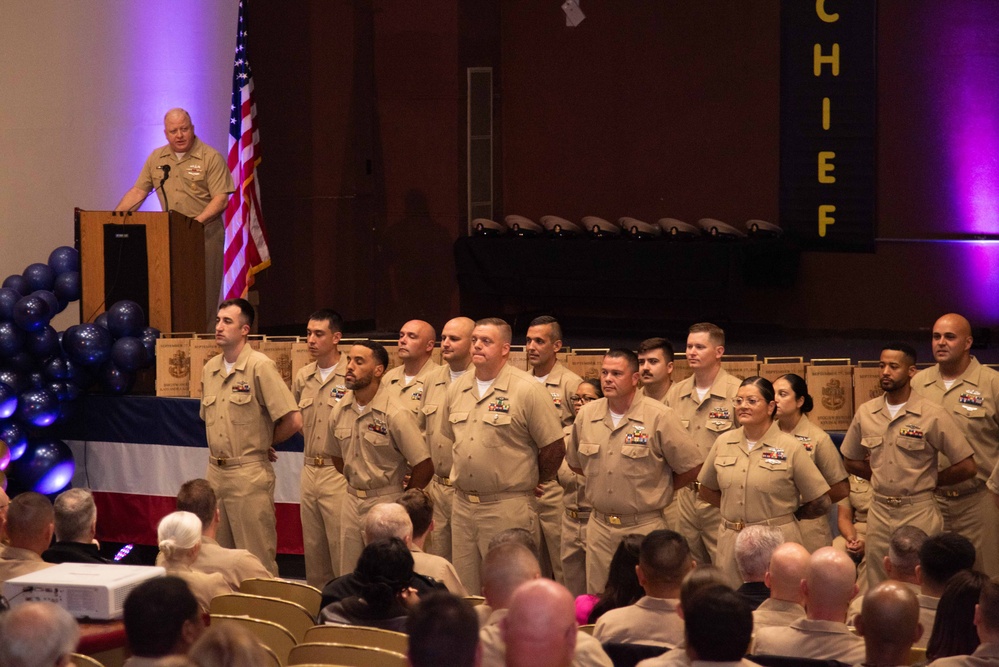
(385, 521)
(903, 552)
(987, 614)
(664, 558)
(830, 584)
(954, 631)
(519, 536)
(540, 628)
(197, 497)
(420, 508)
(504, 568)
(753, 548)
(162, 617)
(443, 630)
(701, 577)
(718, 624)
(30, 520)
(889, 622)
(75, 516)
(178, 533)
(37, 634)
(227, 645)
(943, 555)
(788, 566)
(384, 570)
(622, 587)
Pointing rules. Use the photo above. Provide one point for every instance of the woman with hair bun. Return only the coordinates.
(793, 405)
(758, 475)
(179, 536)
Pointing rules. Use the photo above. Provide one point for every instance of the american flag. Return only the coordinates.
(246, 250)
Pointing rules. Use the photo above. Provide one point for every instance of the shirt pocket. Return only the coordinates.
(909, 444)
(241, 408)
(637, 459)
(777, 476)
(209, 407)
(875, 448)
(305, 402)
(376, 439)
(725, 470)
(685, 423)
(719, 425)
(501, 422)
(589, 458)
(459, 425)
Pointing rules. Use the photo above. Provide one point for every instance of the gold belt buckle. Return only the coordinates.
(739, 525)
(614, 519)
(573, 514)
(319, 462)
(472, 498)
(893, 501)
(361, 493)
(220, 461)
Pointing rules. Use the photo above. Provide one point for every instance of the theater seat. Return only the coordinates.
(629, 655)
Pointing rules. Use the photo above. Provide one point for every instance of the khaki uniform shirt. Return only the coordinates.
(777, 613)
(903, 451)
(650, 620)
(435, 387)
(409, 394)
(562, 383)
(204, 586)
(707, 419)
(589, 652)
(194, 181)
(377, 447)
(973, 402)
(808, 638)
(235, 565)
(14, 562)
(437, 568)
(240, 409)
(821, 450)
(859, 499)
(629, 468)
(316, 398)
(985, 655)
(497, 436)
(764, 483)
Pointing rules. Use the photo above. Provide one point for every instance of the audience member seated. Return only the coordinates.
(901, 564)
(829, 585)
(954, 631)
(889, 624)
(718, 627)
(227, 645)
(30, 525)
(505, 569)
(663, 561)
(520, 536)
(622, 586)
(384, 598)
(987, 627)
(540, 628)
(785, 605)
(387, 520)
(420, 507)
(753, 548)
(162, 618)
(75, 529)
(941, 556)
(443, 630)
(180, 543)
(197, 497)
(37, 634)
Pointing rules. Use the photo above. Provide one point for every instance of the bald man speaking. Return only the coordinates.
(969, 391)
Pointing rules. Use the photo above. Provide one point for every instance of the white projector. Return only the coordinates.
(85, 590)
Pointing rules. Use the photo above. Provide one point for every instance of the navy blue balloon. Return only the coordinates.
(11, 339)
(102, 320)
(39, 276)
(148, 338)
(38, 407)
(16, 438)
(8, 401)
(64, 391)
(63, 259)
(49, 298)
(37, 380)
(61, 368)
(87, 344)
(68, 286)
(125, 318)
(128, 354)
(46, 467)
(8, 297)
(23, 363)
(12, 378)
(18, 283)
(115, 380)
(32, 312)
(43, 343)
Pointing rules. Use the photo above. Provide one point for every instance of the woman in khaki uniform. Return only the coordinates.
(852, 524)
(756, 474)
(793, 405)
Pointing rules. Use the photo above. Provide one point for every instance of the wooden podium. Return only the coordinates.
(154, 259)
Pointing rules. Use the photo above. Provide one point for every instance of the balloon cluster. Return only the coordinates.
(43, 372)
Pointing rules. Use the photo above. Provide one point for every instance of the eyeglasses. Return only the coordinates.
(751, 402)
(576, 398)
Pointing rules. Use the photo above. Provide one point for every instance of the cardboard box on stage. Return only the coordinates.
(830, 382)
(774, 367)
(300, 356)
(518, 357)
(173, 365)
(278, 349)
(586, 362)
(681, 368)
(203, 348)
(741, 366)
(866, 382)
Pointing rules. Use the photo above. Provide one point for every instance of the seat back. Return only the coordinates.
(346, 655)
(85, 660)
(270, 634)
(588, 628)
(289, 615)
(359, 635)
(292, 591)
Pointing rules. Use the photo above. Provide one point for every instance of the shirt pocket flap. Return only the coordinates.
(240, 398)
(634, 452)
(773, 464)
(457, 417)
(377, 439)
(305, 402)
(341, 433)
(725, 461)
(429, 409)
(872, 441)
(976, 413)
(589, 448)
(498, 419)
(207, 400)
(911, 444)
(719, 425)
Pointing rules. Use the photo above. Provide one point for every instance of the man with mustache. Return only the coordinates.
(655, 367)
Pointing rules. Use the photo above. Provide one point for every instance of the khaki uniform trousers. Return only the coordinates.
(323, 491)
(816, 533)
(473, 525)
(352, 522)
(574, 552)
(699, 523)
(840, 543)
(976, 517)
(439, 541)
(603, 539)
(550, 510)
(883, 519)
(246, 509)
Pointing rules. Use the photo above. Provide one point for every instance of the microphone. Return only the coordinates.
(166, 175)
